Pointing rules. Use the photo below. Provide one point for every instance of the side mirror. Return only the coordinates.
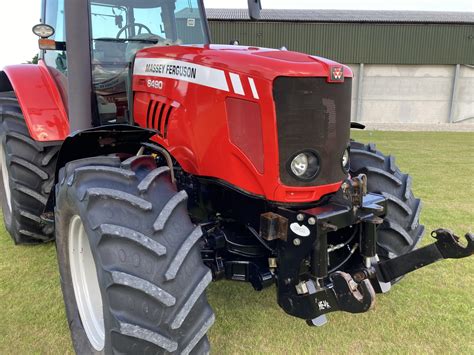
(255, 6)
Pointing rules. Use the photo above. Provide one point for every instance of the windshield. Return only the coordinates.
(174, 21)
(119, 28)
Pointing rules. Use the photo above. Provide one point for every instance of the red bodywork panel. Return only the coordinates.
(182, 92)
(40, 101)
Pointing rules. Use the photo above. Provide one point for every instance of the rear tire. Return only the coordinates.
(147, 259)
(401, 230)
(27, 169)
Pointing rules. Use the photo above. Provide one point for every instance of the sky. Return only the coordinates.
(20, 45)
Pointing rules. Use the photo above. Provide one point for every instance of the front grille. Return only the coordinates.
(312, 114)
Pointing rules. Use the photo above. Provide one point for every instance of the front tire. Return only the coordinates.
(146, 259)
(401, 230)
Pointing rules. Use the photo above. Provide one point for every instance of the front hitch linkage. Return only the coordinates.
(354, 293)
(447, 246)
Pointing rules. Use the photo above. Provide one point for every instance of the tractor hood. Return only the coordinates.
(257, 62)
(259, 106)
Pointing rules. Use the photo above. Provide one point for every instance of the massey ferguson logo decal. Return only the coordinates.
(337, 74)
(180, 70)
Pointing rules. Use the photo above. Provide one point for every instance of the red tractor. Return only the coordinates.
(159, 162)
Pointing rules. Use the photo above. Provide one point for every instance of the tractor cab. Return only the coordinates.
(118, 29)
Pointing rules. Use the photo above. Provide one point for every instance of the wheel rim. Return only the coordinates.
(86, 283)
(5, 177)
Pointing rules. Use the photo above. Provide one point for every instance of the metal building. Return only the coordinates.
(409, 67)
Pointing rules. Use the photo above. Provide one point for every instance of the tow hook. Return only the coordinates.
(353, 297)
(312, 301)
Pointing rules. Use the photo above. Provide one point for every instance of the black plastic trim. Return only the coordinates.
(357, 125)
(5, 84)
(312, 114)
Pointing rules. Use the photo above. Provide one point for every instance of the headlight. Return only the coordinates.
(305, 165)
(299, 164)
(345, 160)
(43, 30)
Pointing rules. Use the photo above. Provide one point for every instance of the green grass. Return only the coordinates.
(431, 311)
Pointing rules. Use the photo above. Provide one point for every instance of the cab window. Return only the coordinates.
(54, 16)
(120, 28)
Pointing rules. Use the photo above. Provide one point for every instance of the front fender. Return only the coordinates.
(97, 141)
(102, 140)
(40, 100)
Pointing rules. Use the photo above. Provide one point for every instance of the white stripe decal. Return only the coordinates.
(237, 84)
(254, 89)
(179, 70)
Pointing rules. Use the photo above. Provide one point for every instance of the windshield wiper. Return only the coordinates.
(124, 40)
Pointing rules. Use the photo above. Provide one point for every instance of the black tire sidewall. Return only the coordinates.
(7, 213)
(80, 340)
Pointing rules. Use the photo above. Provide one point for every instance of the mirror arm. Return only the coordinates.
(255, 7)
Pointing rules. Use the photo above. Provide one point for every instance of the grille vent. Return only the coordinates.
(158, 116)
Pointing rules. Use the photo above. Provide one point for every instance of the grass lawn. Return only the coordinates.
(431, 311)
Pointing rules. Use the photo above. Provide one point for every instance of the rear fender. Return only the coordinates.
(40, 100)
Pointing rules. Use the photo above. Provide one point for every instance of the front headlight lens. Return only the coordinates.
(299, 165)
(346, 160)
(305, 165)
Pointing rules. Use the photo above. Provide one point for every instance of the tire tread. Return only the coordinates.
(161, 269)
(401, 231)
(160, 295)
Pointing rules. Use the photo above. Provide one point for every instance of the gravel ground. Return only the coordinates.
(440, 127)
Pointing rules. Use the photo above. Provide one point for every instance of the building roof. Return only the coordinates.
(367, 16)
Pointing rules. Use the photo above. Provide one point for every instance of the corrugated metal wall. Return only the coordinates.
(357, 42)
